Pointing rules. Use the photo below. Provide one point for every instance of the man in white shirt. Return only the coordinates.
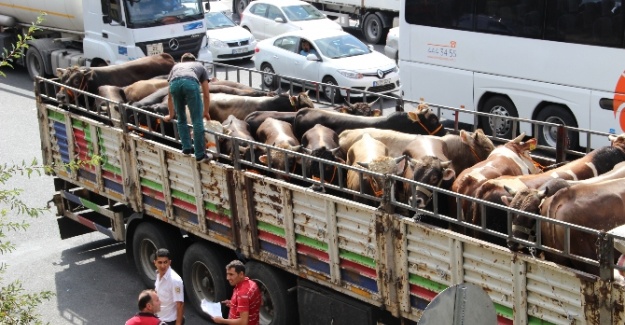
(169, 289)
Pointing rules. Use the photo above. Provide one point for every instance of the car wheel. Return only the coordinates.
(332, 93)
(373, 30)
(556, 114)
(498, 127)
(269, 78)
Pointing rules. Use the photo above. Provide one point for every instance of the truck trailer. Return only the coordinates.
(98, 33)
(373, 17)
(319, 258)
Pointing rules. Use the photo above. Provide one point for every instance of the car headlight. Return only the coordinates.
(350, 74)
(252, 39)
(217, 43)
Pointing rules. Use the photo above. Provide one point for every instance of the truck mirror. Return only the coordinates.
(106, 19)
(207, 6)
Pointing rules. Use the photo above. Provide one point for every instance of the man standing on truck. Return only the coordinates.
(184, 81)
(245, 302)
(169, 289)
(149, 306)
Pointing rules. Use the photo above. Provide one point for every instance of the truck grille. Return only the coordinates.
(190, 44)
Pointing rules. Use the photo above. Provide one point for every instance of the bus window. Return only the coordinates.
(442, 13)
(517, 18)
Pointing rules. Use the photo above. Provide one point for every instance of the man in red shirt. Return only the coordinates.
(245, 302)
(149, 306)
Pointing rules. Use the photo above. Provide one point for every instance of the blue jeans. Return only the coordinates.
(187, 92)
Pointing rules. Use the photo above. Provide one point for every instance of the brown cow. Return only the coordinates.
(278, 134)
(595, 163)
(90, 79)
(394, 141)
(114, 94)
(510, 159)
(224, 105)
(237, 128)
(142, 88)
(255, 119)
(370, 154)
(321, 142)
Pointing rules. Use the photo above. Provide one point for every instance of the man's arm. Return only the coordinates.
(179, 312)
(207, 100)
(170, 107)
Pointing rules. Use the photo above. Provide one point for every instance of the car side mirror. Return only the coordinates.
(207, 6)
(371, 47)
(312, 57)
(279, 20)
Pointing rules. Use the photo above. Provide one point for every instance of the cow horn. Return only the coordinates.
(374, 102)
(399, 159)
(510, 190)
(541, 194)
(611, 137)
(307, 150)
(348, 103)
(335, 150)
(363, 164)
(295, 148)
(519, 138)
(60, 72)
(445, 164)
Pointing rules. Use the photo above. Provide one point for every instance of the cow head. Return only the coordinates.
(382, 165)
(427, 120)
(314, 167)
(74, 77)
(530, 201)
(481, 146)
(431, 171)
(522, 149)
(360, 109)
(302, 100)
(280, 159)
(617, 141)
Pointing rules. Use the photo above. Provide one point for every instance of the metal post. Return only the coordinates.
(605, 254)
(562, 142)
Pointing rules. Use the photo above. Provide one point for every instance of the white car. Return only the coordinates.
(391, 49)
(227, 40)
(341, 60)
(268, 18)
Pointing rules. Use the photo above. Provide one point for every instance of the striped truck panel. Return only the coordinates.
(217, 203)
(151, 178)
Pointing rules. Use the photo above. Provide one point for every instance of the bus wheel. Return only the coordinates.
(204, 276)
(548, 135)
(277, 307)
(495, 126)
(146, 240)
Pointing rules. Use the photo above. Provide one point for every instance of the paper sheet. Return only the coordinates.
(211, 308)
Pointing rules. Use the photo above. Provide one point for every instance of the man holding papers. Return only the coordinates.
(245, 302)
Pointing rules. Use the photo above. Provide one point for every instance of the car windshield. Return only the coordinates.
(217, 20)
(147, 13)
(341, 46)
(305, 12)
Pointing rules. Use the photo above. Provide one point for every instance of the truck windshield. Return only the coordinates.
(148, 13)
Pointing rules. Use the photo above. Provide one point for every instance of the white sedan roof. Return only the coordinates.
(313, 34)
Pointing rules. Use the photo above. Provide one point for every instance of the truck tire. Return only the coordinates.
(373, 29)
(149, 237)
(558, 115)
(498, 105)
(239, 6)
(204, 276)
(277, 308)
(34, 63)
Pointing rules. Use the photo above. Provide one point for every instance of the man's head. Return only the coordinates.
(187, 57)
(305, 45)
(235, 272)
(148, 302)
(163, 260)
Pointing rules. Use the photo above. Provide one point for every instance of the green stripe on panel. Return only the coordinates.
(90, 205)
(151, 184)
(425, 283)
(183, 196)
(504, 311)
(536, 321)
(357, 258)
(271, 229)
(79, 125)
(319, 245)
(56, 116)
(112, 169)
(212, 207)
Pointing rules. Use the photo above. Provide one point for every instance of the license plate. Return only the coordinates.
(154, 49)
(241, 50)
(381, 82)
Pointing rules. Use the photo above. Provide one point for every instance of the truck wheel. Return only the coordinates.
(558, 115)
(498, 105)
(240, 6)
(34, 63)
(204, 276)
(149, 237)
(277, 307)
(373, 30)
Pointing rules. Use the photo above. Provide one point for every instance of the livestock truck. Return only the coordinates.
(373, 17)
(102, 32)
(319, 258)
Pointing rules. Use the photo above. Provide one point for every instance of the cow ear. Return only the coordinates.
(463, 136)
(449, 174)
(376, 112)
(60, 72)
(506, 199)
(263, 159)
(413, 116)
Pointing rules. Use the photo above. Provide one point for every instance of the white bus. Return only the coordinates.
(559, 61)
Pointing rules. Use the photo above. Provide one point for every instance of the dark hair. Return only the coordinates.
(237, 265)
(187, 57)
(145, 298)
(163, 252)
